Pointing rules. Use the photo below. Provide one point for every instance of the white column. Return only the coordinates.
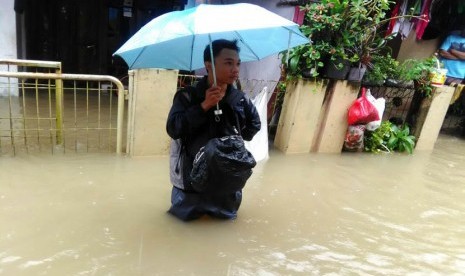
(151, 93)
(7, 41)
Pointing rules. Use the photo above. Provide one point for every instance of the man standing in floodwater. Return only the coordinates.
(193, 120)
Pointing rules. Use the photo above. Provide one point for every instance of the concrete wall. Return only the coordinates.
(300, 116)
(314, 116)
(332, 126)
(7, 38)
(150, 99)
(431, 116)
(412, 48)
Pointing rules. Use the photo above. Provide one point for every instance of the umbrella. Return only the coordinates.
(176, 40)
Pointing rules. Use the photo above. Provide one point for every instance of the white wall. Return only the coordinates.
(7, 30)
(7, 38)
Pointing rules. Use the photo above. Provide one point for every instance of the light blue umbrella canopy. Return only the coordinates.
(176, 40)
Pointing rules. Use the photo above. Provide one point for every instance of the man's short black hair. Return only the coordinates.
(219, 45)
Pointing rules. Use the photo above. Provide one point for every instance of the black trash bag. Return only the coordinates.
(222, 166)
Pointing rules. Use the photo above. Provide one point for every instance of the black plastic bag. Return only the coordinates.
(223, 165)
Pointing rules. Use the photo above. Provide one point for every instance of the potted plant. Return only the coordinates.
(322, 21)
(385, 69)
(343, 32)
(418, 71)
(381, 68)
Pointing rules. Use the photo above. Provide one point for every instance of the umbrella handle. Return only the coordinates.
(212, 60)
(218, 110)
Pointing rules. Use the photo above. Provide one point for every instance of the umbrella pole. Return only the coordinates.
(218, 111)
(213, 60)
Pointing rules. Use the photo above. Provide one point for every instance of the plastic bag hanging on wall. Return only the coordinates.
(362, 111)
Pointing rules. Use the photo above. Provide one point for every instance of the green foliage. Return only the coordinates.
(339, 29)
(382, 67)
(376, 141)
(401, 140)
(418, 70)
(281, 91)
(321, 22)
(389, 137)
(414, 69)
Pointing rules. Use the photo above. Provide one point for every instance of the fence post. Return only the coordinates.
(59, 107)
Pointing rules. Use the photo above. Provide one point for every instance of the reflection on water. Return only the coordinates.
(312, 214)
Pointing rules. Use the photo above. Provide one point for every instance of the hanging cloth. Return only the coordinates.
(401, 24)
(299, 15)
(425, 14)
(392, 22)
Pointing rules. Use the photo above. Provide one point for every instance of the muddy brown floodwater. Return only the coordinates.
(311, 214)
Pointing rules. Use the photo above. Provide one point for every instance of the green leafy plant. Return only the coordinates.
(382, 67)
(418, 70)
(376, 141)
(280, 92)
(341, 31)
(389, 137)
(400, 139)
(322, 21)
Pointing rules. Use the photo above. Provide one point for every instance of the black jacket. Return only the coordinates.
(191, 128)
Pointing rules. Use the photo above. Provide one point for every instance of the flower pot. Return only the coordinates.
(331, 70)
(309, 73)
(438, 77)
(356, 73)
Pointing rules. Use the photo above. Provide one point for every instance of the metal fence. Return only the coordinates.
(45, 112)
(402, 104)
(398, 101)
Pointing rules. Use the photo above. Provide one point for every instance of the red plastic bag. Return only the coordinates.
(362, 111)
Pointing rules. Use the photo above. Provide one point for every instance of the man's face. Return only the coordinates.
(227, 65)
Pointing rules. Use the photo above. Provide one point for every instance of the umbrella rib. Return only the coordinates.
(291, 30)
(240, 38)
(192, 52)
(140, 53)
